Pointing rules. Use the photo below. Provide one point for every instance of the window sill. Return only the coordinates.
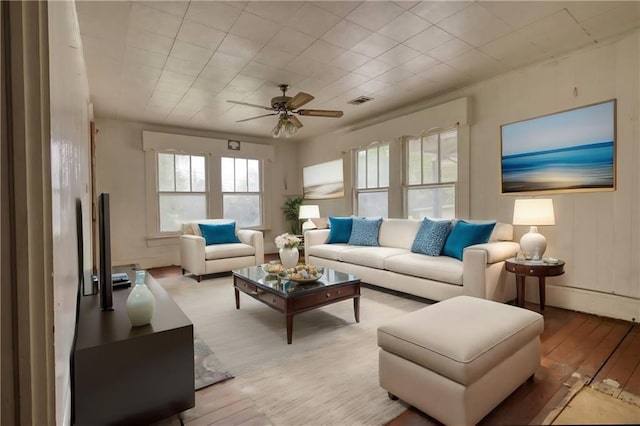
(162, 240)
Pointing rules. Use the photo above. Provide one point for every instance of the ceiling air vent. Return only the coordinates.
(360, 100)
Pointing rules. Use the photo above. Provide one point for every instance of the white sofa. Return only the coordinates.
(481, 272)
(200, 259)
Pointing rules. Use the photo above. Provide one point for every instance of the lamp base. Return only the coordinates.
(308, 225)
(533, 244)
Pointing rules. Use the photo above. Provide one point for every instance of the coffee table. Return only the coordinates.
(292, 298)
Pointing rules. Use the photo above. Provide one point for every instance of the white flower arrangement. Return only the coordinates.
(287, 241)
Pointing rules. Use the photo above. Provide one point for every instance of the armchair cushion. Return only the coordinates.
(219, 233)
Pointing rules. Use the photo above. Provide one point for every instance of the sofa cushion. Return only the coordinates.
(440, 268)
(373, 257)
(364, 231)
(398, 233)
(431, 237)
(224, 251)
(328, 251)
(219, 233)
(465, 234)
(340, 229)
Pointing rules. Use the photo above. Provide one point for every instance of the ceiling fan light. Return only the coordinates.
(290, 129)
(277, 130)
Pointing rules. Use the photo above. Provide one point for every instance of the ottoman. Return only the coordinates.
(458, 359)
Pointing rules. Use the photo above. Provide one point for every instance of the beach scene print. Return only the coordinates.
(571, 150)
(323, 181)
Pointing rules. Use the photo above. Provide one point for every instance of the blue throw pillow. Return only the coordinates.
(218, 233)
(364, 231)
(431, 237)
(340, 229)
(465, 234)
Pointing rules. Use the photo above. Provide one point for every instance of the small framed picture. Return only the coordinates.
(233, 145)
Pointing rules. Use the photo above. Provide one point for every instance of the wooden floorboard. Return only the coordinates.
(577, 349)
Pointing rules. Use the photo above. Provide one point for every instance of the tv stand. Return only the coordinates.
(132, 375)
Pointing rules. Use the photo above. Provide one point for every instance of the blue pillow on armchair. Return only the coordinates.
(465, 234)
(364, 231)
(431, 237)
(219, 233)
(340, 229)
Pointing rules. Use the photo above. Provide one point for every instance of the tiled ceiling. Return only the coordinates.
(177, 63)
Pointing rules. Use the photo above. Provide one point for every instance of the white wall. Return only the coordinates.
(121, 172)
(70, 178)
(597, 234)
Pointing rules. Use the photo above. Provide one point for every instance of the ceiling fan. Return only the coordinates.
(285, 106)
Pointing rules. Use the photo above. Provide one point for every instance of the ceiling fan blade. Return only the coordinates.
(298, 100)
(295, 121)
(252, 105)
(259, 116)
(320, 113)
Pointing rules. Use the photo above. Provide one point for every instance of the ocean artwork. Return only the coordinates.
(571, 150)
(323, 181)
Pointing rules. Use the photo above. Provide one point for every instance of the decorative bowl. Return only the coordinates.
(303, 275)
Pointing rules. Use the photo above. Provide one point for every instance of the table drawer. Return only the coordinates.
(323, 297)
(246, 287)
(271, 300)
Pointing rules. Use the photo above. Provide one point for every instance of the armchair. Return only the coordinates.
(199, 259)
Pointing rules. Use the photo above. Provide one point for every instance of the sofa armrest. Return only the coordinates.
(497, 251)
(255, 239)
(314, 237)
(483, 268)
(192, 255)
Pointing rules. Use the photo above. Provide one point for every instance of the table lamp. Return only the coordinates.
(533, 212)
(309, 212)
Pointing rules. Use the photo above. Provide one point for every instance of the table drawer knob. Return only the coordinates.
(328, 295)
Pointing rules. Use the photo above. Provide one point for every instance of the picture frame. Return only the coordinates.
(568, 151)
(323, 181)
(233, 145)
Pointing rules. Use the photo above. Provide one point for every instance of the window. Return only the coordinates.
(241, 197)
(182, 194)
(372, 170)
(431, 175)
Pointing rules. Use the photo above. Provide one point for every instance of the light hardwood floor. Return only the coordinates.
(578, 350)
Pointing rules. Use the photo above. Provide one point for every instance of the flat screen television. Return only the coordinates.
(104, 235)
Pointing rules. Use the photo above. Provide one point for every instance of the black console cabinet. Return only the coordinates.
(133, 375)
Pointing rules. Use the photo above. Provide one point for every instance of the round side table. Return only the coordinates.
(527, 268)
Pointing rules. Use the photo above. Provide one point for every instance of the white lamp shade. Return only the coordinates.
(533, 211)
(309, 211)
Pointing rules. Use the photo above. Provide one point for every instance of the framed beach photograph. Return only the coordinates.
(572, 150)
(323, 181)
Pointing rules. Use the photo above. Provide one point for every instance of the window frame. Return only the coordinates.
(377, 189)
(439, 183)
(259, 193)
(159, 192)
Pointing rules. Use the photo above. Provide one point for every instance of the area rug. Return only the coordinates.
(207, 368)
(590, 406)
(328, 375)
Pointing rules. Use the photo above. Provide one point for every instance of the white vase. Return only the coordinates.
(140, 304)
(289, 257)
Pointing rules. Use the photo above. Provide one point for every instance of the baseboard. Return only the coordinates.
(603, 304)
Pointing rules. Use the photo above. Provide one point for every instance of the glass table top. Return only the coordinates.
(257, 276)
